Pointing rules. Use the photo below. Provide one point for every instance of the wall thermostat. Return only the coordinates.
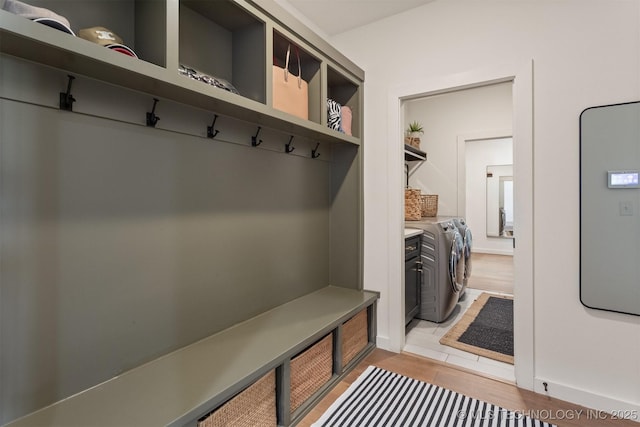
(623, 179)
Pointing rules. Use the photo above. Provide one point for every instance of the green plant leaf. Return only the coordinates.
(415, 127)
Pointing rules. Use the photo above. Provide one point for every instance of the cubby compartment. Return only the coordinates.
(346, 93)
(223, 43)
(141, 24)
(310, 370)
(355, 336)
(309, 66)
(254, 406)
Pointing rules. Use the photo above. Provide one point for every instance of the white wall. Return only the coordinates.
(585, 53)
(479, 155)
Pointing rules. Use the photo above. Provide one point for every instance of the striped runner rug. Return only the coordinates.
(382, 398)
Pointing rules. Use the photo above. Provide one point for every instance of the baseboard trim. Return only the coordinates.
(383, 343)
(493, 251)
(598, 404)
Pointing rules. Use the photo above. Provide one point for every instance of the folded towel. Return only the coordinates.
(347, 116)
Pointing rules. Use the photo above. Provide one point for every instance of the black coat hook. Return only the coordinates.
(254, 139)
(212, 132)
(66, 99)
(152, 119)
(314, 152)
(288, 148)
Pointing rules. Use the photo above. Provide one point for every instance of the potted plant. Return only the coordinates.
(414, 131)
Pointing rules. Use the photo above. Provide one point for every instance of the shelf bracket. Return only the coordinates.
(314, 152)
(288, 148)
(411, 167)
(406, 175)
(254, 139)
(66, 99)
(212, 132)
(152, 119)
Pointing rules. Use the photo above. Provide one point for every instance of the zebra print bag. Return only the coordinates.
(334, 115)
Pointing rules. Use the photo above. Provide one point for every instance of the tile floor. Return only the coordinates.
(423, 339)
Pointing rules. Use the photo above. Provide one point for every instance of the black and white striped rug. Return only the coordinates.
(382, 398)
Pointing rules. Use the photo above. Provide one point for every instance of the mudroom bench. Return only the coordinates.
(289, 347)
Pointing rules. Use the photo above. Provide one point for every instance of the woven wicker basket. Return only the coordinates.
(412, 205)
(355, 336)
(254, 406)
(310, 370)
(429, 205)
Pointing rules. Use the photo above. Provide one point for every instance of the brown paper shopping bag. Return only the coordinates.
(290, 93)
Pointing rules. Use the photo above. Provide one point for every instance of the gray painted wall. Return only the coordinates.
(121, 243)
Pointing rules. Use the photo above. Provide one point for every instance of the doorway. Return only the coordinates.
(462, 169)
(521, 74)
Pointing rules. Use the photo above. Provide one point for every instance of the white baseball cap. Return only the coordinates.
(37, 14)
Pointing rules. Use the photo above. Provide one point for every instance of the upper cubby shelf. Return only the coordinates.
(225, 44)
(346, 93)
(141, 24)
(309, 71)
(215, 55)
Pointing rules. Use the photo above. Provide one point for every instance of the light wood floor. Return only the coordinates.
(501, 393)
(492, 273)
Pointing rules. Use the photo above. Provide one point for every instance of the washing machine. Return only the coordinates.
(467, 241)
(442, 256)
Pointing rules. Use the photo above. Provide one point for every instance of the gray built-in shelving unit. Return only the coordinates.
(129, 252)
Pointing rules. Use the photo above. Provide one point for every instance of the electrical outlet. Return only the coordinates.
(626, 208)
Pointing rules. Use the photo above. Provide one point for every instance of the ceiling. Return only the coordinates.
(337, 16)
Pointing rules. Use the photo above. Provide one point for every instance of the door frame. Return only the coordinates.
(521, 74)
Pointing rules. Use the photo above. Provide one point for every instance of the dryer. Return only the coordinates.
(467, 240)
(442, 256)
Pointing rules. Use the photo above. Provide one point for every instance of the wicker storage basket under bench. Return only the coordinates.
(254, 406)
(310, 370)
(355, 336)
